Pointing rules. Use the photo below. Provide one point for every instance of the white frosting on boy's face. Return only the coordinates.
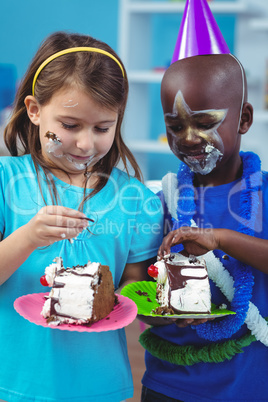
(193, 135)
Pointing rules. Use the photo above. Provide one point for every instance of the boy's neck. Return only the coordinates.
(222, 176)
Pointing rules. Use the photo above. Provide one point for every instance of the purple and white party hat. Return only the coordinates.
(199, 33)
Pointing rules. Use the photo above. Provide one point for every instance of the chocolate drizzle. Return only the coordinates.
(53, 311)
(176, 279)
(52, 136)
(99, 299)
(72, 271)
(57, 285)
(78, 274)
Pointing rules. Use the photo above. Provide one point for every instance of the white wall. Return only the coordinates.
(252, 51)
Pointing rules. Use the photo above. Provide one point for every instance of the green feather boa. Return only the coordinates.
(188, 355)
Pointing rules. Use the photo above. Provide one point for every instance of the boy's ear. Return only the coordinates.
(246, 118)
(33, 109)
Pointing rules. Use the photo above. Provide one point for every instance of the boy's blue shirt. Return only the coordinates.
(244, 378)
(41, 364)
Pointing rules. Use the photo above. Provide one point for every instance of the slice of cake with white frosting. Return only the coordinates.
(182, 284)
(79, 295)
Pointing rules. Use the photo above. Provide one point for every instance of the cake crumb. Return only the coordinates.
(163, 310)
(140, 293)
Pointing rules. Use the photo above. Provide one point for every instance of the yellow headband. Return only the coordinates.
(72, 50)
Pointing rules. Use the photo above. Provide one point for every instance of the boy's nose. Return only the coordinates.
(190, 138)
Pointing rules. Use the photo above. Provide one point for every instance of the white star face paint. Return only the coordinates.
(193, 135)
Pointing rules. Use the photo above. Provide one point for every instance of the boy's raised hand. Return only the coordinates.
(196, 241)
(53, 223)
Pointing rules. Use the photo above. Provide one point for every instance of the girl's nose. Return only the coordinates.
(85, 140)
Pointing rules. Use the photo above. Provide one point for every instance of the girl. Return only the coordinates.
(66, 127)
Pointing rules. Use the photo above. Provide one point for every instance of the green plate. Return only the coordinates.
(146, 302)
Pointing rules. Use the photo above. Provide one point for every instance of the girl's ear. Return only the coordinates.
(33, 109)
(246, 118)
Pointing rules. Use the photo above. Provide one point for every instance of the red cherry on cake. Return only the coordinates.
(43, 280)
(153, 271)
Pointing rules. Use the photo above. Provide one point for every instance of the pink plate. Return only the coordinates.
(30, 306)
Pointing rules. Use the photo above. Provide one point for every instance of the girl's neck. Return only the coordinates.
(77, 180)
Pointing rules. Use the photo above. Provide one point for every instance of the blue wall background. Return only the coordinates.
(24, 24)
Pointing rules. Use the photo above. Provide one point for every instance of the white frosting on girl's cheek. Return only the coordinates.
(54, 147)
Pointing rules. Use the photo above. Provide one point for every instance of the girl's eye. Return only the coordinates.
(102, 129)
(69, 126)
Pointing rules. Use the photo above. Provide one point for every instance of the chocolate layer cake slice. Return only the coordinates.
(182, 284)
(79, 295)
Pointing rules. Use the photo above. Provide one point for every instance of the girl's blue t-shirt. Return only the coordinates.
(244, 377)
(41, 364)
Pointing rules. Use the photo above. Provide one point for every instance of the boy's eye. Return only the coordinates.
(207, 126)
(176, 128)
(69, 126)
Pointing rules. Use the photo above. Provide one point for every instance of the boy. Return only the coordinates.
(224, 193)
